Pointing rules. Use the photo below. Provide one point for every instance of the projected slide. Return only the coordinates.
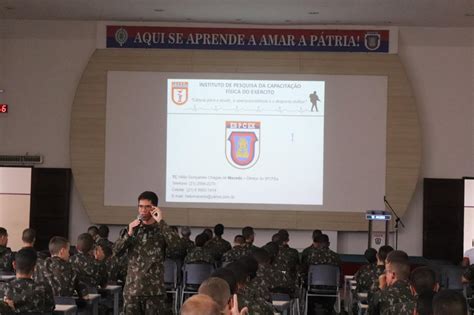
(245, 141)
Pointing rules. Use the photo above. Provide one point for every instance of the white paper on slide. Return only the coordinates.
(283, 140)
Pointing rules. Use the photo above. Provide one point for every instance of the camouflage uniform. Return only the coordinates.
(383, 300)
(5, 308)
(235, 253)
(218, 246)
(287, 259)
(199, 254)
(256, 305)
(6, 259)
(268, 278)
(188, 244)
(405, 308)
(144, 291)
(306, 253)
(116, 269)
(324, 256)
(60, 276)
(28, 296)
(89, 271)
(365, 277)
(104, 241)
(177, 252)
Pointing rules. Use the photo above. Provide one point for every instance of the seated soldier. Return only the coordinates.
(57, 271)
(199, 254)
(394, 287)
(365, 275)
(268, 278)
(116, 268)
(179, 251)
(228, 276)
(218, 289)
(449, 302)
(243, 270)
(237, 251)
(380, 270)
(90, 271)
(185, 236)
(93, 231)
(272, 249)
(200, 304)
(103, 234)
(423, 279)
(217, 245)
(308, 250)
(6, 255)
(27, 295)
(287, 259)
(323, 255)
(249, 234)
(28, 237)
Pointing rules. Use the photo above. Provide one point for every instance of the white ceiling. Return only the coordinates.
(441, 13)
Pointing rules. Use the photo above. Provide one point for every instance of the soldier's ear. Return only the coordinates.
(14, 265)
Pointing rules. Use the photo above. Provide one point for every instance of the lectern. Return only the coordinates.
(378, 215)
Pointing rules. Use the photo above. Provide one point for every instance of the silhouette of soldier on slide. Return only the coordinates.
(313, 98)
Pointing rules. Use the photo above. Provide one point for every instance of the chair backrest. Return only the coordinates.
(171, 272)
(323, 275)
(195, 274)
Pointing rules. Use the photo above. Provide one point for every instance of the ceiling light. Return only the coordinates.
(159, 10)
(469, 14)
(313, 13)
(9, 8)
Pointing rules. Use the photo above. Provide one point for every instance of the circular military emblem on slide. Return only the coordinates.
(242, 143)
(121, 36)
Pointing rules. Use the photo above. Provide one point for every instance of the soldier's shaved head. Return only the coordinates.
(218, 290)
(200, 304)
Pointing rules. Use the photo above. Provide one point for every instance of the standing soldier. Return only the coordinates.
(145, 243)
(217, 244)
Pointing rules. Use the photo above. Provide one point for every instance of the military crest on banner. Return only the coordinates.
(179, 92)
(372, 40)
(242, 139)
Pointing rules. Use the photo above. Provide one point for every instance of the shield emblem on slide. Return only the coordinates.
(242, 147)
(179, 92)
(372, 40)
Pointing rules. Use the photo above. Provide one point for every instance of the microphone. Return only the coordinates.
(139, 218)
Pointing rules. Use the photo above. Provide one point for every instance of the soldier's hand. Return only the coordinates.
(382, 281)
(9, 302)
(235, 307)
(157, 214)
(132, 226)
